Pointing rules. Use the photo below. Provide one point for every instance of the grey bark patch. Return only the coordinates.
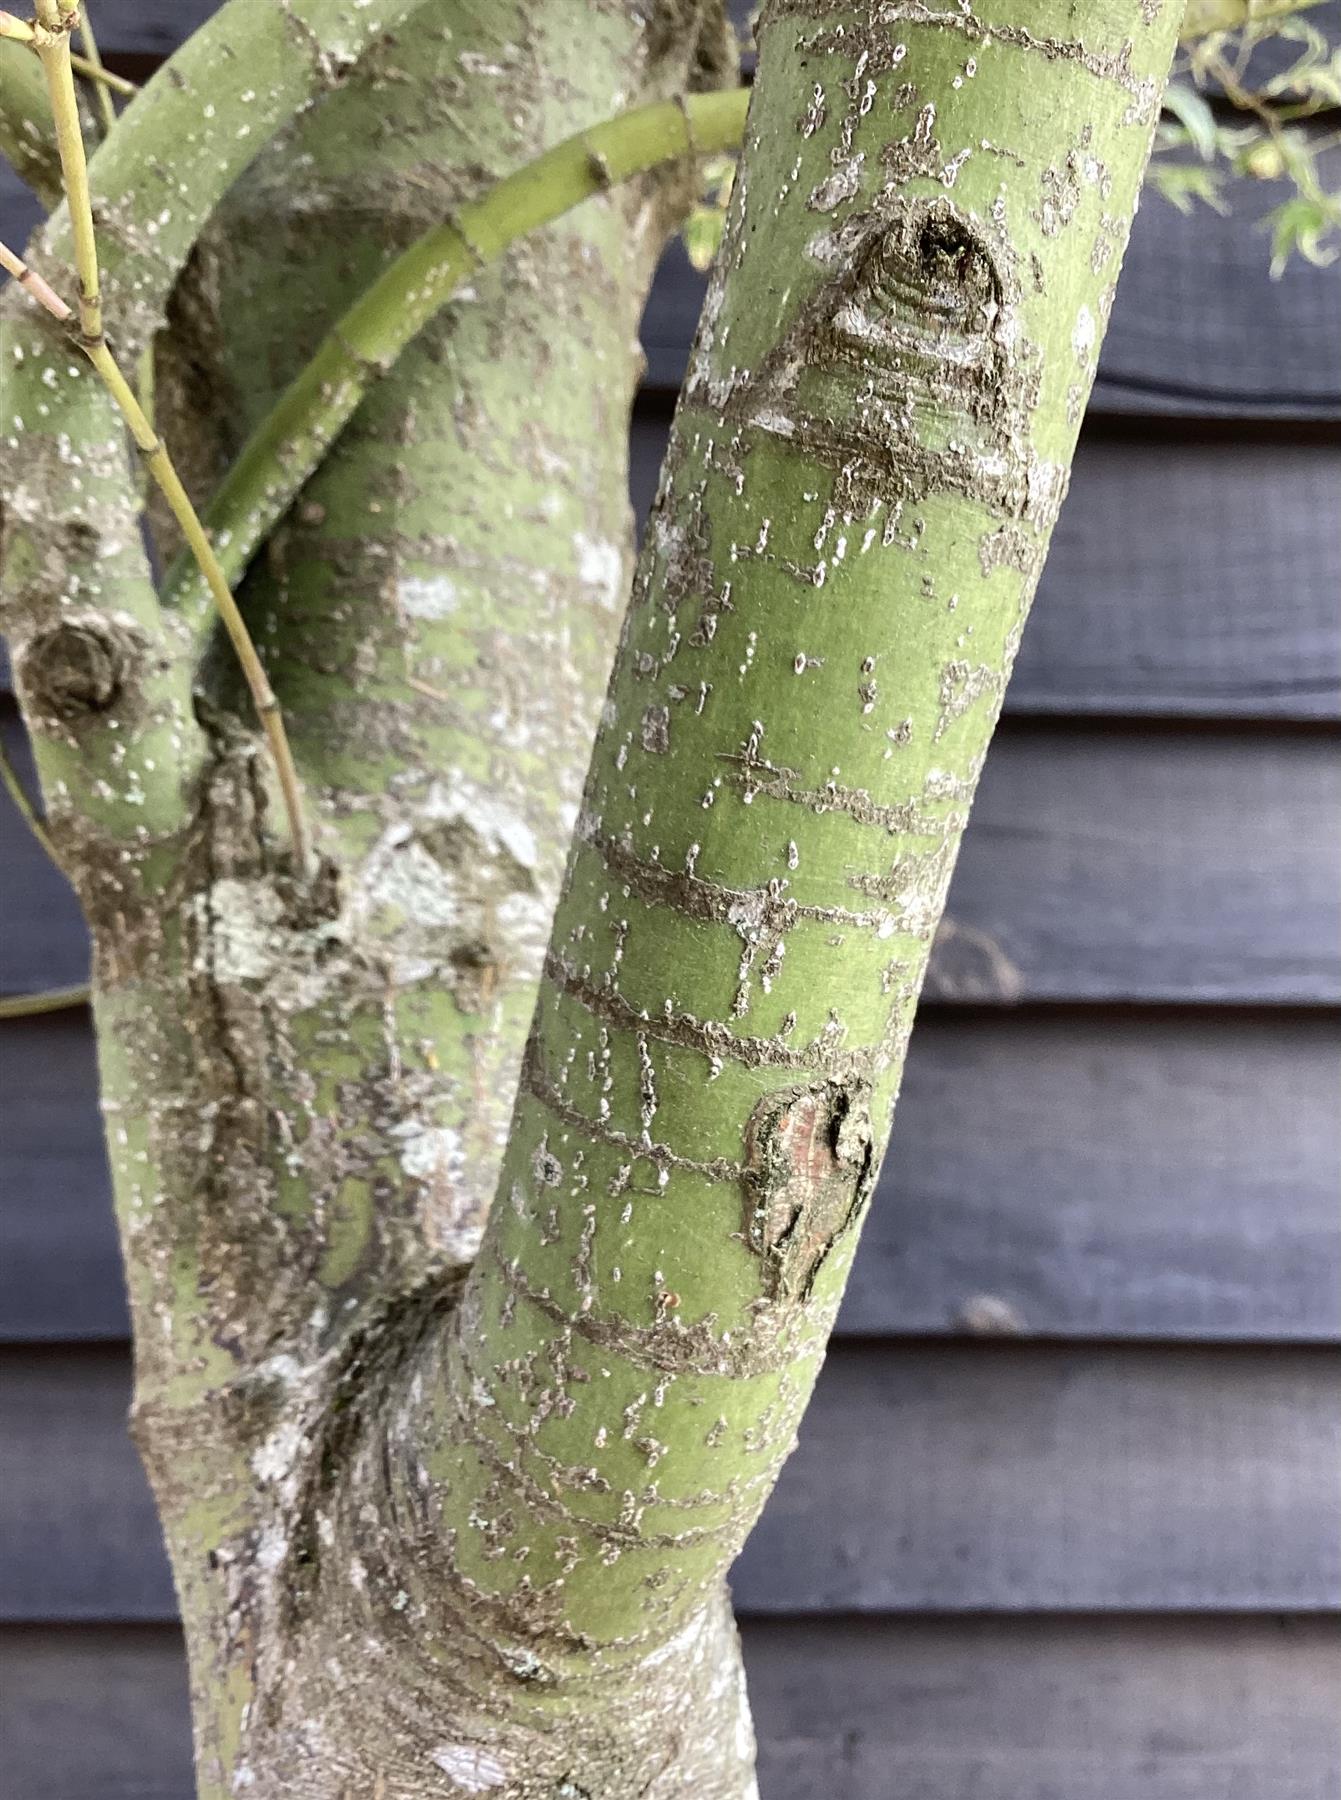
(656, 730)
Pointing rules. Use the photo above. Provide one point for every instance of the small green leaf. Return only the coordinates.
(1183, 184)
(1193, 112)
(702, 233)
(1303, 226)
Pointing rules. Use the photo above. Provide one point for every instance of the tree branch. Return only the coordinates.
(867, 460)
(287, 446)
(27, 136)
(155, 181)
(90, 65)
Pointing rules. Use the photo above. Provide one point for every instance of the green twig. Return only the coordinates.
(94, 70)
(288, 445)
(9, 780)
(91, 66)
(25, 1006)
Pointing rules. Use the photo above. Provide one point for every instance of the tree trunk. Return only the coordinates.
(436, 1539)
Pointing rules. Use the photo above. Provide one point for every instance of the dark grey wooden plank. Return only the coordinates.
(1189, 577)
(1197, 579)
(43, 943)
(95, 1714)
(20, 213)
(1154, 866)
(949, 1477)
(1051, 1174)
(1199, 328)
(925, 1709)
(60, 1271)
(148, 27)
(1110, 1178)
(1027, 1477)
(1166, 866)
(1194, 577)
(1047, 1709)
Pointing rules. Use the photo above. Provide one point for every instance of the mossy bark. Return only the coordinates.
(445, 1522)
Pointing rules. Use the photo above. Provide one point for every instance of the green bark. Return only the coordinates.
(27, 136)
(284, 450)
(104, 676)
(865, 469)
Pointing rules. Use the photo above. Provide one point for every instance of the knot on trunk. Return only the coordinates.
(809, 1162)
(80, 669)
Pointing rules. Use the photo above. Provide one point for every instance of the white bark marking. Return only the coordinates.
(473, 1769)
(427, 596)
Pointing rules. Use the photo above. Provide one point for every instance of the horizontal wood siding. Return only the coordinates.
(1166, 865)
(1199, 328)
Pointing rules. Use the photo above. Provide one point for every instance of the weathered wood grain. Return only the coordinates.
(1046, 1709)
(1063, 1175)
(1163, 866)
(946, 1477)
(925, 1709)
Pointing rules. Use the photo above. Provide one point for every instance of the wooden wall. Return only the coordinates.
(1065, 1521)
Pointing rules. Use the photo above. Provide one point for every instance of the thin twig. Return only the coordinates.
(55, 18)
(45, 295)
(290, 442)
(25, 1006)
(103, 77)
(9, 780)
(92, 60)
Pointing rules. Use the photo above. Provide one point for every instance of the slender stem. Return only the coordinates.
(25, 1006)
(103, 78)
(91, 67)
(290, 442)
(9, 780)
(41, 291)
(165, 476)
(93, 70)
(54, 20)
